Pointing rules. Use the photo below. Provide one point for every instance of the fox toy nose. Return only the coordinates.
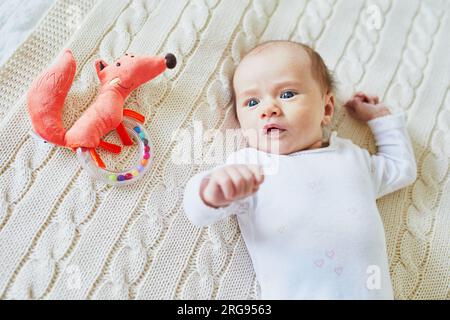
(171, 61)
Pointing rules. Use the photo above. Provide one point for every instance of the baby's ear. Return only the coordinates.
(99, 66)
(329, 109)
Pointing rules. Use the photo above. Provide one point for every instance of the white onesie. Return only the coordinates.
(313, 230)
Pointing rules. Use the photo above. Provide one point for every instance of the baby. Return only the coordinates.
(312, 227)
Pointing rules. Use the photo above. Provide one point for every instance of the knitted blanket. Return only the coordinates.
(66, 236)
(17, 19)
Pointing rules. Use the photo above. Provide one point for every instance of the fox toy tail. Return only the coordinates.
(46, 99)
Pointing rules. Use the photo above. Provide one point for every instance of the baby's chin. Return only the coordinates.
(284, 147)
(274, 148)
(281, 143)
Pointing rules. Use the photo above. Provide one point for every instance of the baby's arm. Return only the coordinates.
(211, 196)
(394, 166)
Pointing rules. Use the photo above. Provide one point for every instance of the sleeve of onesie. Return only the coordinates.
(394, 166)
(201, 214)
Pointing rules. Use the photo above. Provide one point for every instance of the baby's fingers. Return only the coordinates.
(375, 99)
(257, 172)
(361, 96)
(249, 180)
(366, 98)
(352, 104)
(225, 183)
(239, 182)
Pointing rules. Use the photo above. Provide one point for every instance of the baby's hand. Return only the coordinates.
(230, 183)
(365, 108)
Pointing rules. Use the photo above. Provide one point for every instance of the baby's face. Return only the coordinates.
(279, 104)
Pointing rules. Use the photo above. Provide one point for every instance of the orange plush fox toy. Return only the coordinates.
(48, 92)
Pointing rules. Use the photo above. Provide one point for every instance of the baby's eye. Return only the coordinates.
(287, 94)
(251, 103)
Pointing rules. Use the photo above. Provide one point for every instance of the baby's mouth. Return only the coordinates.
(273, 130)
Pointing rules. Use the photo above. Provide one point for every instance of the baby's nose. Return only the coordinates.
(270, 111)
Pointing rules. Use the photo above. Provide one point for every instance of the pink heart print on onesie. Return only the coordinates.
(329, 254)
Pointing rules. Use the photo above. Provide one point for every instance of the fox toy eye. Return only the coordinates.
(118, 64)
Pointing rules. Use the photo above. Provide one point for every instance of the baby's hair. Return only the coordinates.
(319, 70)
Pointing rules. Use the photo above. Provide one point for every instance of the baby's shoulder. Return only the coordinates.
(348, 146)
(343, 142)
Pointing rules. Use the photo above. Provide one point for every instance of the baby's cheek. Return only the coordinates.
(305, 118)
(247, 120)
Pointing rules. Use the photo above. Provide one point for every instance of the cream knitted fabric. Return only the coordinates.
(63, 235)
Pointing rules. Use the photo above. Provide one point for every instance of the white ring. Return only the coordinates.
(120, 178)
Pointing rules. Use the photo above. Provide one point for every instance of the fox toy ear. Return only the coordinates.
(99, 66)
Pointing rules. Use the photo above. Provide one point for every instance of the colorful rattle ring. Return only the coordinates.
(97, 169)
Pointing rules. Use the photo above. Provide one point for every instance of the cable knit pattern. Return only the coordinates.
(63, 235)
(414, 58)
